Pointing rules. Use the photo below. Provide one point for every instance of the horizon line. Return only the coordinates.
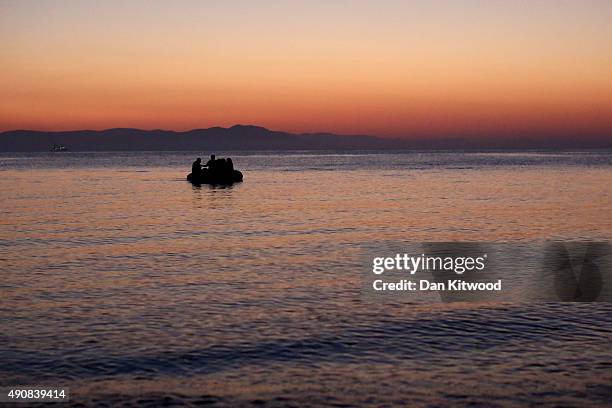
(526, 136)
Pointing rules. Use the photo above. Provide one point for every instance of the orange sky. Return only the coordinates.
(389, 68)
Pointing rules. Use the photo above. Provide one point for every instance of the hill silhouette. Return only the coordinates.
(249, 137)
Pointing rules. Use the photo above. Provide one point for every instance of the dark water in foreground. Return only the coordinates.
(130, 286)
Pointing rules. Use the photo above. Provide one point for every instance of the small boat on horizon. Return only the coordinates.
(58, 148)
(215, 171)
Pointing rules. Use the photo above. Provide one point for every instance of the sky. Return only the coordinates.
(388, 68)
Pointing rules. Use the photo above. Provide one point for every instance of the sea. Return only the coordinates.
(129, 286)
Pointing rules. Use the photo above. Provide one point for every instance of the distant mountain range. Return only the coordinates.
(241, 137)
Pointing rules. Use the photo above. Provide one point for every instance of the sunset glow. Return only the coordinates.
(401, 69)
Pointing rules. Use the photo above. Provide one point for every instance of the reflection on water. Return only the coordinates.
(131, 285)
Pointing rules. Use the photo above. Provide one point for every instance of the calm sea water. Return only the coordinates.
(129, 285)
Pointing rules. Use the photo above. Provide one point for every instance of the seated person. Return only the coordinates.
(211, 163)
(220, 167)
(196, 167)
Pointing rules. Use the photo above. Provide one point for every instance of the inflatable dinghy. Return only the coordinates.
(207, 177)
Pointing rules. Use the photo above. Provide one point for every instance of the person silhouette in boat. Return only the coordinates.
(211, 164)
(220, 167)
(196, 167)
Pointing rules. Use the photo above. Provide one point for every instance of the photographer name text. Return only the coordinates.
(412, 264)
